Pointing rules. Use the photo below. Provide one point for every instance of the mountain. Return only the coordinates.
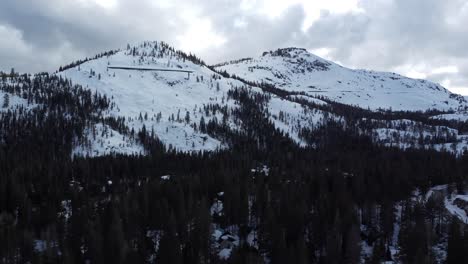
(298, 71)
(171, 103)
(166, 102)
(145, 154)
(174, 95)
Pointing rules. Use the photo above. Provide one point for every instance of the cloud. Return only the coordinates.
(414, 37)
(408, 36)
(257, 34)
(58, 32)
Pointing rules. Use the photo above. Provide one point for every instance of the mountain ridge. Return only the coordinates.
(174, 106)
(297, 70)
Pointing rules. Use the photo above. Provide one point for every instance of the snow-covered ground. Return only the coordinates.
(224, 239)
(290, 117)
(452, 202)
(297, 70)
(406, 134)
(167, 102)
(155, 236)
(170, 103)
(13, 102)
(459, 116)
(455, 209)
(103, 140)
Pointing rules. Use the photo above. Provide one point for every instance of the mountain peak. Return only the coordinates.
(286, 52)
(301, 60)
(296, 70)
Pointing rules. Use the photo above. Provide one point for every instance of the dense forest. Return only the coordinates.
(264, 199)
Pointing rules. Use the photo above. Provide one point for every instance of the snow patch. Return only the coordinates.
(102, 140)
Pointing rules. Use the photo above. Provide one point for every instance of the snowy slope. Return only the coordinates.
(456, 204)
(460, 116)
(162, 100)
(151, 98)
(103, 140)
(406, 134)
(13, 102)
(290, 117)
(297, 70)
(172, 104)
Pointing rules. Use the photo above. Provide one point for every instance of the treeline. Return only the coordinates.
(161, 50)
(354, 114)
(79, 62)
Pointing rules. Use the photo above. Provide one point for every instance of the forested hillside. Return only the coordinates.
(252, 174)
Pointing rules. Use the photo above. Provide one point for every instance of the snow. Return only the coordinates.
(307, 98)
(449, 200)
(225, 253)
(265, 170)
(440, 251)
(14, 102)
(160, 101)
(460, 116)
(103, 140)
(217, 208)
(154, 99)
(394, 248)
(462, 197)
(252, 239)
(66, 209)
(406, 134)
(225, 240)
(217, 234)
(454, 209)
(166, 177)
(296, 117)
(455, 147)
(157, 96)
(40, 246)
(300, 71)
(437, 188)
(155, 236)
(366, 250)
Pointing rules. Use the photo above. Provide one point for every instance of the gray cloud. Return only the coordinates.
(390, 35)
(55, 32)
(258, 34)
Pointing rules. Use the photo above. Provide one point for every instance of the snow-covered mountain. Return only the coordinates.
(173, 94)
(171, 103)
(166, 102)
(296, 70)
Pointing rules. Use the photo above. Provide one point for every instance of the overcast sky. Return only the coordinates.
(417, 38)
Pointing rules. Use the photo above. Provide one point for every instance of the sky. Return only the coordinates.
(418, 38)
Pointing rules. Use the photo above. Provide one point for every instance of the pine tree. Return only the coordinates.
(6, 100)
(456, 251)
(353, 244)
(115, 246)
(187, 117)
(202, 125)
(169, 249)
